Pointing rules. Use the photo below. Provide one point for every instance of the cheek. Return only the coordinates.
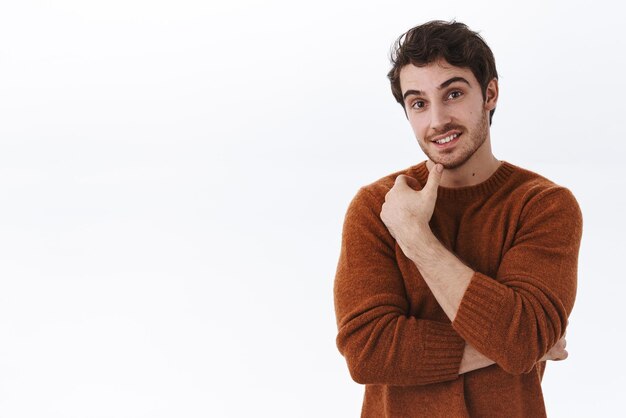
(419, 129)
(474, 109)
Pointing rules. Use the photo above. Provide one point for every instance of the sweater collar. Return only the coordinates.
(485, 188)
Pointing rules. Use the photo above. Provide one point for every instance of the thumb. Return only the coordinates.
(434, 178)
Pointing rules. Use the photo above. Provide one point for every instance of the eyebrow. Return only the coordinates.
(441, 86)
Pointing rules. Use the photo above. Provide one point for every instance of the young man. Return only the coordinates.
(456, 276)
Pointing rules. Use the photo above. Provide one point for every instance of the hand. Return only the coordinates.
(558, 352)
(473, 360)
(406, 206)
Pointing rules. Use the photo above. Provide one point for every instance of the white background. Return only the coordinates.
(174, 176)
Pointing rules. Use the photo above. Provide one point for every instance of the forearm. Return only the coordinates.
(383, 346)
(379, 338)
(446, 275)
(473, 360)
(515, 325)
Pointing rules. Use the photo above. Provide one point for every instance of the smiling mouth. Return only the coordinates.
(447, 139)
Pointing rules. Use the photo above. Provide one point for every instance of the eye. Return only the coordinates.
(455, 94)
(418, 104)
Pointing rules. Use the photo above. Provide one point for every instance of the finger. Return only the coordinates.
(562, 355)
(400, 179)
(399, 184)
(409, 181)
(403, 181)
(434, 178)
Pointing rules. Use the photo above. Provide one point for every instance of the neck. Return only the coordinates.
(478, 168)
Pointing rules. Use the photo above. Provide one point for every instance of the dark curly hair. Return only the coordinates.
(452, 41)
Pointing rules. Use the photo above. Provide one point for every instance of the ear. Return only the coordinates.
(491, 98)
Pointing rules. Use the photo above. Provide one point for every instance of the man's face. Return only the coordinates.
(445, 107)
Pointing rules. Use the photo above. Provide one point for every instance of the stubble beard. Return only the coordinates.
(460, 155)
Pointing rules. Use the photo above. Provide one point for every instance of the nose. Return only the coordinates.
(439, 117)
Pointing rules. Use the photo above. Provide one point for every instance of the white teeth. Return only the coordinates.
(447, 139)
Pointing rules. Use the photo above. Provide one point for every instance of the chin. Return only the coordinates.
(447, 164)
(452, 165)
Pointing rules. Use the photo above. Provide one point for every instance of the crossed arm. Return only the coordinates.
(406, 213)
(448, 279)
(382, 344)
(474, 360)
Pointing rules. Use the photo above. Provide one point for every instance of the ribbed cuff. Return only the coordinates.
(479, 309)
(443, 351)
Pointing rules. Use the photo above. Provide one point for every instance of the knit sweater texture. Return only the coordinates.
(521, 234)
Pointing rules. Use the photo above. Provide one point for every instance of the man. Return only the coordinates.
(456, 276)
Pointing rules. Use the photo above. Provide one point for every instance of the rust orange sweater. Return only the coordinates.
(521, 234)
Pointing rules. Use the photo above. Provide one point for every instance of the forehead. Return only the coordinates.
(428, 78)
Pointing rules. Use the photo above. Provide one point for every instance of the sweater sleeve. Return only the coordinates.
(516, 317)
(381, 342)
